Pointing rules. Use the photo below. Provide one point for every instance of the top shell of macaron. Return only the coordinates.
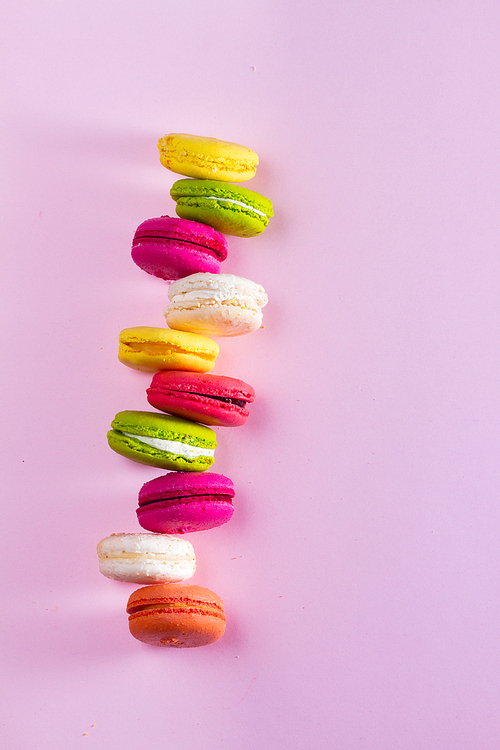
(224, 192)
(166, 592)
(207, 158)
(165, 228)
(220, 287)
(164, 426)
(203, 383)
(156, 338)
(144, 544)
(182, 483)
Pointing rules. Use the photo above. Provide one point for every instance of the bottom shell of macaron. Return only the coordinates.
(184, 516)
(176, 617)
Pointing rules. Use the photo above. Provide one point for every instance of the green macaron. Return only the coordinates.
(163, 441)
(229, 208)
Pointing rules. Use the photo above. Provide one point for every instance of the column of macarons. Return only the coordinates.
(186, 252)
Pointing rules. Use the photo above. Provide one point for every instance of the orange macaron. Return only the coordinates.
(176, 615)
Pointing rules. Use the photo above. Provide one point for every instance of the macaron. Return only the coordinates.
(176, 615)
(209, 399)
(215, 304)
(152, 349)
(231, 209)
(207, 158)
(179, 502)
(146, 558)
(172, 248)
(162, 440)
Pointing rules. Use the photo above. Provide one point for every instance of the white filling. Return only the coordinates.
(216, 296)
(173, 446)
(238, 203)
(224, 287)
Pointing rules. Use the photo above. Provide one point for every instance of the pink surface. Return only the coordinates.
(360, 572)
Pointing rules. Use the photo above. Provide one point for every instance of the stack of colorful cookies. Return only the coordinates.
(187, 252)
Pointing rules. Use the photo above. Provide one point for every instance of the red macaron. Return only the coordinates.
(210, 399)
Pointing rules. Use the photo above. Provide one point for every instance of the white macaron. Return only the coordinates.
(146, 558)
(215, 304)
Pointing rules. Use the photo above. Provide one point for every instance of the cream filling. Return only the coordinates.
(238, 203)
(174, 446)
(214, 296)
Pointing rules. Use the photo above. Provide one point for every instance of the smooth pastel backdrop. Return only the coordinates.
(361, 570)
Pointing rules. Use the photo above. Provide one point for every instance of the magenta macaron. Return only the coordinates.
(209, 399)
(173, 248)
(181, 502)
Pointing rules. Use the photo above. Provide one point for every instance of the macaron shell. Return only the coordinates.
(178, 484)
(171, 248)
(176, 615)
(151, 349)
(152, 424)
(207, 158)
(214, 320)
(185, 516)
(198, 408)
(197, 396)
(226, 220)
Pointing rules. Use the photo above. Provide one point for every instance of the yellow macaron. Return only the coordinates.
(207, 158)
(153, 349)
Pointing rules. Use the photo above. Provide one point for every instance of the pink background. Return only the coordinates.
(360, 572)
